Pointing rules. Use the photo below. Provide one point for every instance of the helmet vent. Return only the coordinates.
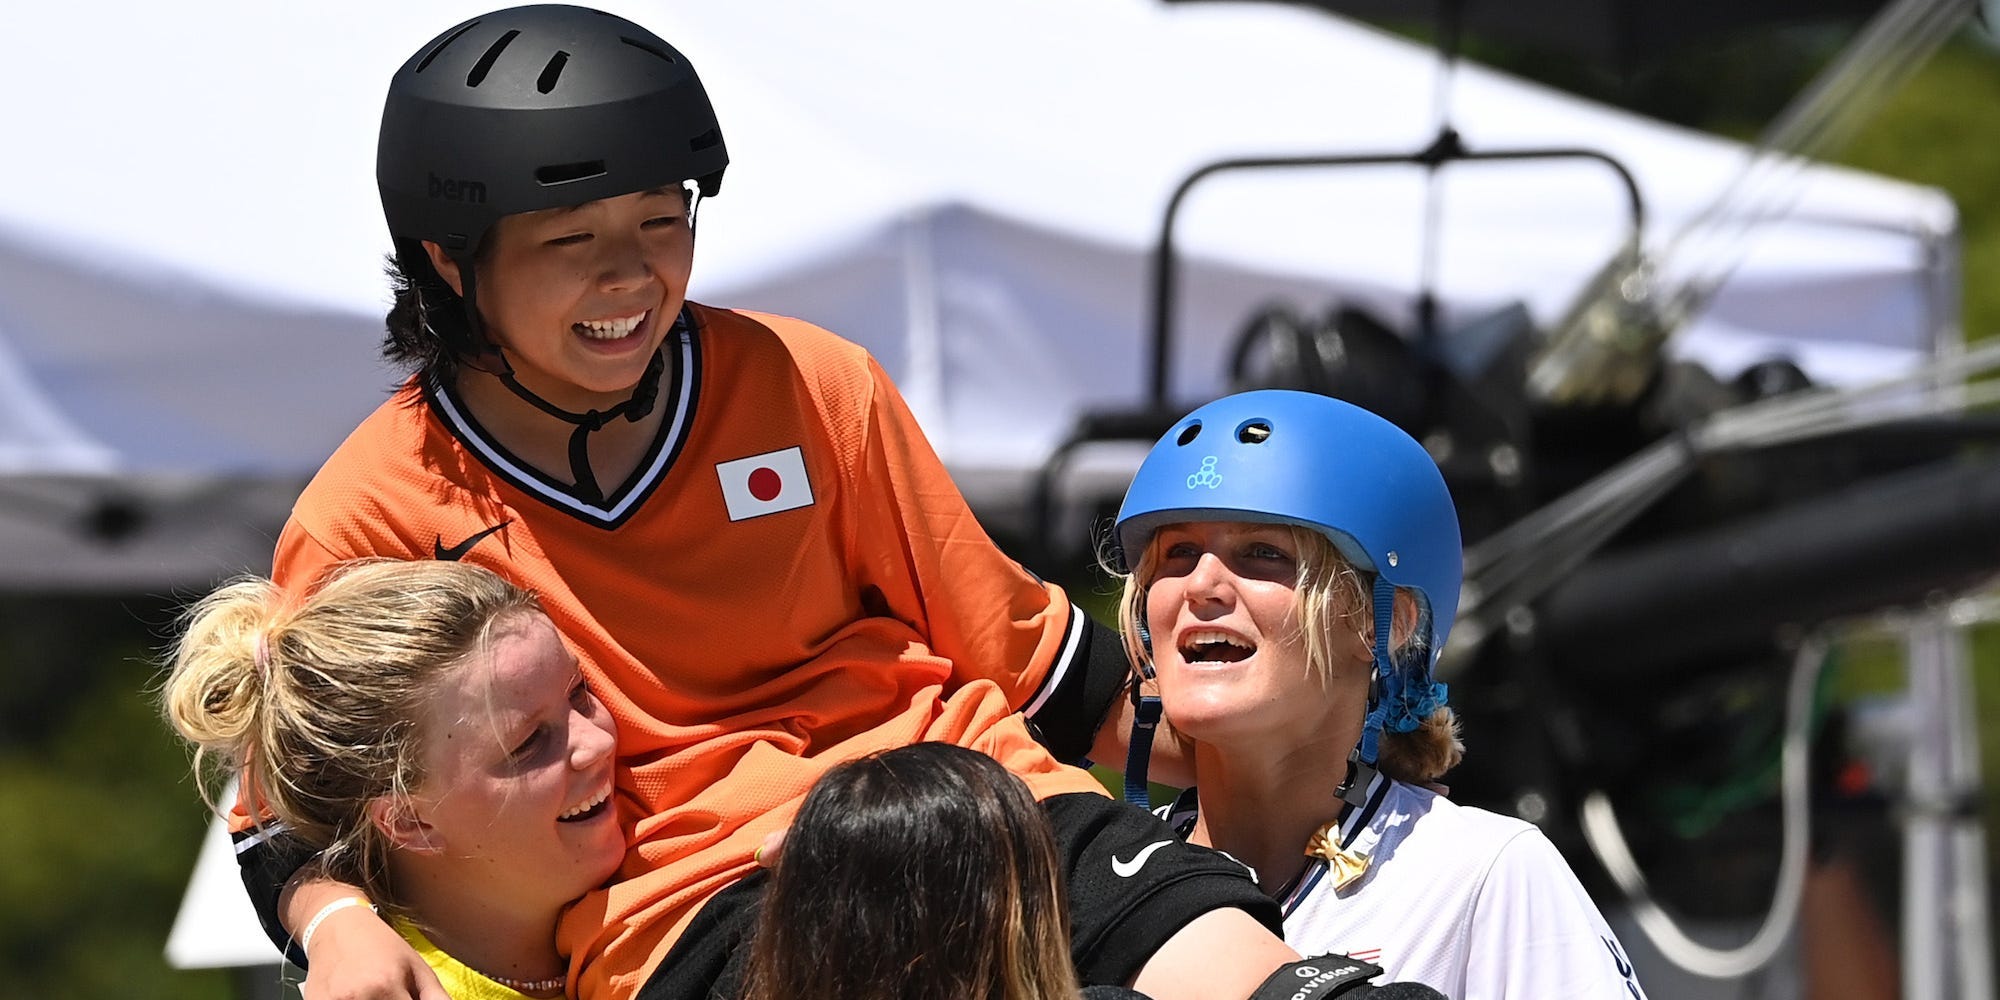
(551, 73)
(645, 46)
(704, 141)
(1254, 431)
(1188, 435)
(563, 173)
(438, 49)
(485, 63)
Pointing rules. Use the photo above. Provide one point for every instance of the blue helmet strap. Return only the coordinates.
(1398, 700)
(1387, 683)
(1139, 749)
(1145, 719)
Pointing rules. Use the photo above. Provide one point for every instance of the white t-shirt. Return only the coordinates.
(1475, 905)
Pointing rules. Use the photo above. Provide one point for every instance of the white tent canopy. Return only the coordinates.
(190, 245)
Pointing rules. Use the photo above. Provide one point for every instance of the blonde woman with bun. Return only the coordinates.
(425, 730)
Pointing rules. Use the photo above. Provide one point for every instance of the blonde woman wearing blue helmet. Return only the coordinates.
(1293, 570)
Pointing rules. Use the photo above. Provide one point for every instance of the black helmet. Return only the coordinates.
(537, 107)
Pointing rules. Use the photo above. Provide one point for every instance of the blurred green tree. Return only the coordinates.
(98, 820)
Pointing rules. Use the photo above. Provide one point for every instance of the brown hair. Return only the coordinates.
(927, 872)
(1331, 594)
(314, 704)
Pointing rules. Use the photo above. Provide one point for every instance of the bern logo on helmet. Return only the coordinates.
(457, 190)
(1206, 475)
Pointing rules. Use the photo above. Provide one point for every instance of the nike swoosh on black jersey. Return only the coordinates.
(456, 552)
(1127, 869)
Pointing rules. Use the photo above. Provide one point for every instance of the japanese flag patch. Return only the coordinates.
(765, 484)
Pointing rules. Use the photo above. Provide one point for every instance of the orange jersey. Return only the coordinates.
(789, 581)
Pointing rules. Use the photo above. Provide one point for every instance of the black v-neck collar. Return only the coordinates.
(678, 396)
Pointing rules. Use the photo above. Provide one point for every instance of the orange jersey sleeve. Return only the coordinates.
(933, 565)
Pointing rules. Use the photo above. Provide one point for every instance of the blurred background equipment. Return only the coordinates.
(1665, 515)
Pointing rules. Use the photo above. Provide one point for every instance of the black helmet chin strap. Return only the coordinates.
(634, 408)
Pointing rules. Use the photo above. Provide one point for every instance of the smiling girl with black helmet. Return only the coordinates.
(732, 517)
(1294, 567)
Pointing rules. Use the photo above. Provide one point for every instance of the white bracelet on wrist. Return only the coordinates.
(306, 939)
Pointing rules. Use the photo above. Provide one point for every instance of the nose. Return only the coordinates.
(592, 737)
(622, 265)
(1209, 580)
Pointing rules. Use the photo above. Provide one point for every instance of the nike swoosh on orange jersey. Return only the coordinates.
(456, 552)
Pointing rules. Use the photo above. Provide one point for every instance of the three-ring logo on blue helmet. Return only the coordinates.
(1206, 475)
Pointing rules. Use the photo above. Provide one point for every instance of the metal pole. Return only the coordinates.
(1946, 923)
(1445, 149)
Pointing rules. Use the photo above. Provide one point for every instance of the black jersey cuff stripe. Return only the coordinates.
(266, 863)
(1068, 715)
(1061, 668)
(248, 840)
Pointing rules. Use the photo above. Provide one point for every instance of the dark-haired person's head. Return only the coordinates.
(927, 872)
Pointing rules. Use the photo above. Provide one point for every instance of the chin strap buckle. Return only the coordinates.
(1361, 775)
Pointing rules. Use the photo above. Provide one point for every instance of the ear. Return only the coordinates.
(447, 268)
(1403, 619)
(401, 827)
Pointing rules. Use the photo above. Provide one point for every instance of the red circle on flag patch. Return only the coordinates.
(765, 483)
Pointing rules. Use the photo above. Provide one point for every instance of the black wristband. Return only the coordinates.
(1316, 979)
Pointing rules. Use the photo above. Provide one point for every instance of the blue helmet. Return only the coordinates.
(1284, 457)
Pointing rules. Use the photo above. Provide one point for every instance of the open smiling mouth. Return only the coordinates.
(1214, 647)
(587, 811)
(610, 329)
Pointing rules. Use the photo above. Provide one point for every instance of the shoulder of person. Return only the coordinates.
(836, 367)
(793, 332)
(841, 375)
(1474, 837)
(389, 438)
(399, 481)
(1528, 877)
(392, 426)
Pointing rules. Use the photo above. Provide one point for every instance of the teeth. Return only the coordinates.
(1203, 637)
(584, 807)
(1214, 646)
(611, 329)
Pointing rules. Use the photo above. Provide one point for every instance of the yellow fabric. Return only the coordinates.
(458, 979)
